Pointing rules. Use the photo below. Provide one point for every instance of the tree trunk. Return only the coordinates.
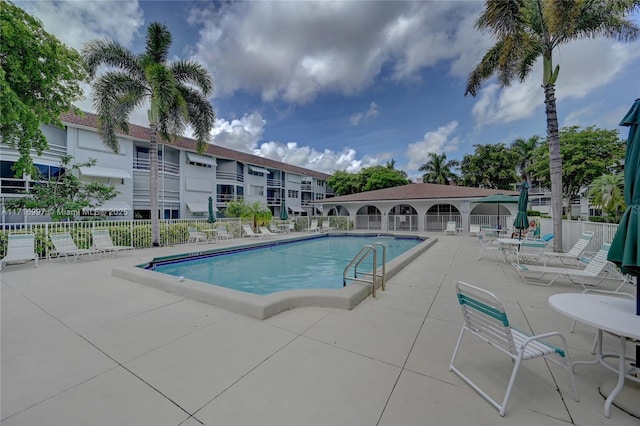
(555, 164)
(153, 185)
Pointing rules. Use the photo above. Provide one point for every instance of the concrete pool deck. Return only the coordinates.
(80, 346)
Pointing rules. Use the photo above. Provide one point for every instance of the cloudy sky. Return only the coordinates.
(343, 85)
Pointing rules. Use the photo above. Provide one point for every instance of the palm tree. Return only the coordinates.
(528, 29)
(438, 169)
(177, 93)
(607, 192)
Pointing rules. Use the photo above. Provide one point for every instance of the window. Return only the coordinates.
(293, 194)
(256, 190)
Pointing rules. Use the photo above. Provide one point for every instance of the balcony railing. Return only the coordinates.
(275, 183)
(233, 176)
(163, 166)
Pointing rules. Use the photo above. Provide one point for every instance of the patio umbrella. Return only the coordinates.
(497, 199)
(283, 212)
(624, 247)
(212, 217)
(522, 221)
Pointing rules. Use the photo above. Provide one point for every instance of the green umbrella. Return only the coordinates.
(497, 199)
(283, 212)
(624, 247)
(522, 221)
(212, 217)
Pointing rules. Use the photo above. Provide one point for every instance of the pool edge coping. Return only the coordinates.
(265, 306)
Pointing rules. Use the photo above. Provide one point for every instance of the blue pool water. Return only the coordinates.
(306, 264)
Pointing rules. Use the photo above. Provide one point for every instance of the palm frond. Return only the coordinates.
(502, 18)
(484, 70)
(188, 72)
(106, 52)
(158, 42)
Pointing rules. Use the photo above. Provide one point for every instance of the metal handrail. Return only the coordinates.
(359, 258)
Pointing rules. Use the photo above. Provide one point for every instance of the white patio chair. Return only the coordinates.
(484, 317)
(596, 271)
(65, 246)
(102, 242)
(291, 227)
(452, 228)
(222, 233)
(195, 236)
(487, 244)
(325, 226)
(274, 228)
(573, 255)
(20, 249)
(248, 232)
(474, 229)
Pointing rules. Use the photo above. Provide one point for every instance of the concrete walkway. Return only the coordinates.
(80, 347)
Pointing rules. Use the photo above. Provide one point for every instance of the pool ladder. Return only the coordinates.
(371, 277)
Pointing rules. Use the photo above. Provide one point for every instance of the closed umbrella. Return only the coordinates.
(283, 211)
(624, 247)
(522, 221)
(212, 217)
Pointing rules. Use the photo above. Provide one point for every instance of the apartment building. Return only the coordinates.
(186, 178)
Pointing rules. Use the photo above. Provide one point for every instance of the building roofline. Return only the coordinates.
(89, 121)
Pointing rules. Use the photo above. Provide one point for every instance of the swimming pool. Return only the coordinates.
(262, 306)
(284, 265)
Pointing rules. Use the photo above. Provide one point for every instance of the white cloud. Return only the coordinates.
(358, 117)
(245, 134)
(297, 50)
(438, 141)
(585, 65)
(76, 22)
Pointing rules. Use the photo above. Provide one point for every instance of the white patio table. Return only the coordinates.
(613, 315)
(509, 245)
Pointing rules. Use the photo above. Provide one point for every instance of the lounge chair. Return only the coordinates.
(573, 255)
(531, 251)
(20, 249)
(274, 229)
(291, 227)
(248, 232)
(452, 228)
(484, 317)
(314, 226)
(102, 242)
(487, 244)
(65, 246)
(195, 236)
(222, 233)
(264, 231)
(598, 269)
(325, 226)
(474, 229)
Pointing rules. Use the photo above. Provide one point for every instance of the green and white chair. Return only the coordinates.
(20, 249)
(573, 255)
(485, 318)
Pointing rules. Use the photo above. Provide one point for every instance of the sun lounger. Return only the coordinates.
(248, 232)
(596, 271)
(102, 242)
(264, 231)
(573, 255)
(20, 249)
(65, 246)
(314, 226)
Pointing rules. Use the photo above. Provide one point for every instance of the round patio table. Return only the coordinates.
(610, 314)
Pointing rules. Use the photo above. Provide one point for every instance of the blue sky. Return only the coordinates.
(343, 85)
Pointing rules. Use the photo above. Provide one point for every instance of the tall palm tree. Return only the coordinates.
(438, 169)
(176, 91)
(528, 29)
